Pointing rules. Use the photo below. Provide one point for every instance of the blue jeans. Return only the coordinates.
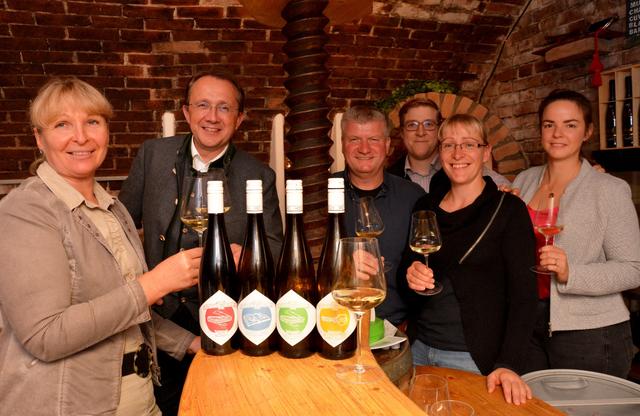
(426, 355)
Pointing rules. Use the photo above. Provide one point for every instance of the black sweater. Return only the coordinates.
(495, 289)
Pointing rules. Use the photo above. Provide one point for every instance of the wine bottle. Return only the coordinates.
(610, 117)
(335, 324)
(627, 114)
(256, 309)
(297, 290)
(217, 286)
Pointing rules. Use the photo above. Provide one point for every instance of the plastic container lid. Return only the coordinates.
(585, 393)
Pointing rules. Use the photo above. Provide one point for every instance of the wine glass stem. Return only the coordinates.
(359, 367)
(426, 260)
(200, 244)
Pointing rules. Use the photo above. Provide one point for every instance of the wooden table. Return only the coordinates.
(236, 384)
(472, 388)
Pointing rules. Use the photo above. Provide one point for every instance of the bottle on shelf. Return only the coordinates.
(627, 114)
(218, 285)
(297, 290)
(256, 308)
(610, 117)
(335, 324)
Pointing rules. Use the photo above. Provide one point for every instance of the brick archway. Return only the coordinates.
(508, 156)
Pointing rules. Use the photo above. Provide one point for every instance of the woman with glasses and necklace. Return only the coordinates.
(485, 310)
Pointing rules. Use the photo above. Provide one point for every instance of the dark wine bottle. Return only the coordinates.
(335, 324)
(256, 309)
(297, 290)
(627, 114)
(610, 117)
(217, 286)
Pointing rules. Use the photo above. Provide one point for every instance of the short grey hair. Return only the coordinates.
(362, 114)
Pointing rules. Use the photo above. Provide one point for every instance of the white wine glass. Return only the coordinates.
(546, 223)
(424, 238)
(359, 285)
(193, 205)
(368, 220)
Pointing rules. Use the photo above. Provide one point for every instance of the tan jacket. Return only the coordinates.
(63, 306)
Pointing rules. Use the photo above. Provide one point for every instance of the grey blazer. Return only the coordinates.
(150, 193)
(602, 241)
(64, 305)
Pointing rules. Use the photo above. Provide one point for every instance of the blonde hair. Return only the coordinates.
(48, 104)
(466, 121)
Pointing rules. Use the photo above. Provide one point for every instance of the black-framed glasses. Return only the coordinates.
(205, 107)
(467, 147)
(413, 125)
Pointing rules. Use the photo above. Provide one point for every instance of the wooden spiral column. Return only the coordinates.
(307, 120)
(303, 23)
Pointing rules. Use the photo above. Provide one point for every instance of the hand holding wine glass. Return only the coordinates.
(359, 285)
(368, 221)
(424, 238)
(546, 223)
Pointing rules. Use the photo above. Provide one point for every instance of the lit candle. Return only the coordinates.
(168, 124)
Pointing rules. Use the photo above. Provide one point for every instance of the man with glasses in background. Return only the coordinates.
(419, 123)
(214, 110)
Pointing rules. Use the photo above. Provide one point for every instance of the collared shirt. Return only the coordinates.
(117, 242)
(420, 179)
(198, 163)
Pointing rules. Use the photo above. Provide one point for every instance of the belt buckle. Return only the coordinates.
(142, 360)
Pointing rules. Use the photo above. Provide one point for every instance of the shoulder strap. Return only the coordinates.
(483, 231)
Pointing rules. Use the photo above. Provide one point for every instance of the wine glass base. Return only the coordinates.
(350, 375)
(542, 270)
(430, 292)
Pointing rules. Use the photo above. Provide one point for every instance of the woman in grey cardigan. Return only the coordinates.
(582, 321)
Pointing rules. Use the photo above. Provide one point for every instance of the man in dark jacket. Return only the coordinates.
(214, 109)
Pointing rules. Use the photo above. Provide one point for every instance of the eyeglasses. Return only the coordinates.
(428, 125)
(205, 107)
(467, 147)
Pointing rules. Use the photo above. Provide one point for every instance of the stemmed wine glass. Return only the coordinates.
(193, 205)
(359, 285)
(424, 238)
(368, 221)
(545, 222)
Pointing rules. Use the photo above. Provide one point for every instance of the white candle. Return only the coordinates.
(168, 124)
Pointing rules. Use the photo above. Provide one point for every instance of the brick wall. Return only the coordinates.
(141, 52)
(523, 78)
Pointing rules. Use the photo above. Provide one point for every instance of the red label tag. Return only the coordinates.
(220, 319)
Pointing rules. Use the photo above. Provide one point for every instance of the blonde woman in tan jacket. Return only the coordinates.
(76, 332)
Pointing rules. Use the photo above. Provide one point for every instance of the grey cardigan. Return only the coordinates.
(63, 307)
(602, 241)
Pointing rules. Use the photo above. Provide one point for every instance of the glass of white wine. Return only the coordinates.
(546, 223)
(424, 238)
(368, 221)
(359, 285)
(193, 205)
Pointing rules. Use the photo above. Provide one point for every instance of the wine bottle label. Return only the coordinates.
(257, 317)
(219, 317)
(335, 323)
(296, 317)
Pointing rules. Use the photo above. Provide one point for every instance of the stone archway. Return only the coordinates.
(508, 156)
